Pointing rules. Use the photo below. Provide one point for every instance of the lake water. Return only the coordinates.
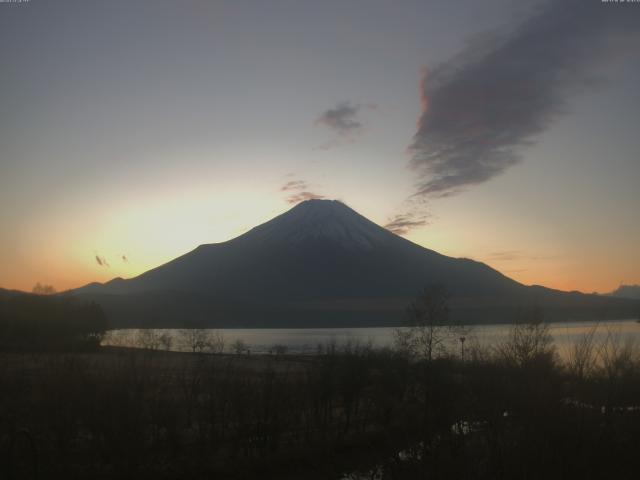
(306, 340)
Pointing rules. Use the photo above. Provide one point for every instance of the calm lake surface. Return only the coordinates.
(306, 340)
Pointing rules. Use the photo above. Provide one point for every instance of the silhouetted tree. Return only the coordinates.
(166, 340)
(239, 346)
(528, 342)
(40, 289)
(200, 340)
(149, 339)
(428, 327)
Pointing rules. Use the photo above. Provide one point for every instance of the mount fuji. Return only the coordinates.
(323, 264)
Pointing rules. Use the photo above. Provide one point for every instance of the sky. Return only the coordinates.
(133, 131)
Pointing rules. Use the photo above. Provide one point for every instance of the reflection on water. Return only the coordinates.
(306, 340)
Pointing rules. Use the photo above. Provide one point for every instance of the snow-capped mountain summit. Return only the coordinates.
(323, 220)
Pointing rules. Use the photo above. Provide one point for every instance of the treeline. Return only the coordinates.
(48, 322)
(514, 411)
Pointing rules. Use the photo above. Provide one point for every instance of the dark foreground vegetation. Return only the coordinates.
(44, 322)
(512, 412)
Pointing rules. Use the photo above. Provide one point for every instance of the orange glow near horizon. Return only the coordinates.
(153, 232)
(156, 231)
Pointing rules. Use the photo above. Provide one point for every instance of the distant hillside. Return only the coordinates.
(626, 291)
(4, 293)
(323, 264)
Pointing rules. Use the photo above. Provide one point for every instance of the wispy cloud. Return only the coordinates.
(299, 191)
(506, 255)
(412, 214)
(294, 185)
(101, 261)
(402, 223)
(481, 108)
(303, 196)
(342, 120)
(514, 255)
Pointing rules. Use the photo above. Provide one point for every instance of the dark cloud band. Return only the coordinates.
(487, 103)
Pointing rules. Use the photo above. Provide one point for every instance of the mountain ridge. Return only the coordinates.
(318, 258)
(626, 291)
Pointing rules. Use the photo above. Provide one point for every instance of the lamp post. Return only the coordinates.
(462, 339)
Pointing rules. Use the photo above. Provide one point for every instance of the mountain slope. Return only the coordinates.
(626, 291)
(320, 263)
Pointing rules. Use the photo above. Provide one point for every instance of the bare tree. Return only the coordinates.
(166, 340)
(239, 346)
(582, 356)
(200, 340)
(217, 341)
(193, 339)
(278, 350)
(617, 358)
(40, 289)
(429, 325)
(149, 339)
(528, 342)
